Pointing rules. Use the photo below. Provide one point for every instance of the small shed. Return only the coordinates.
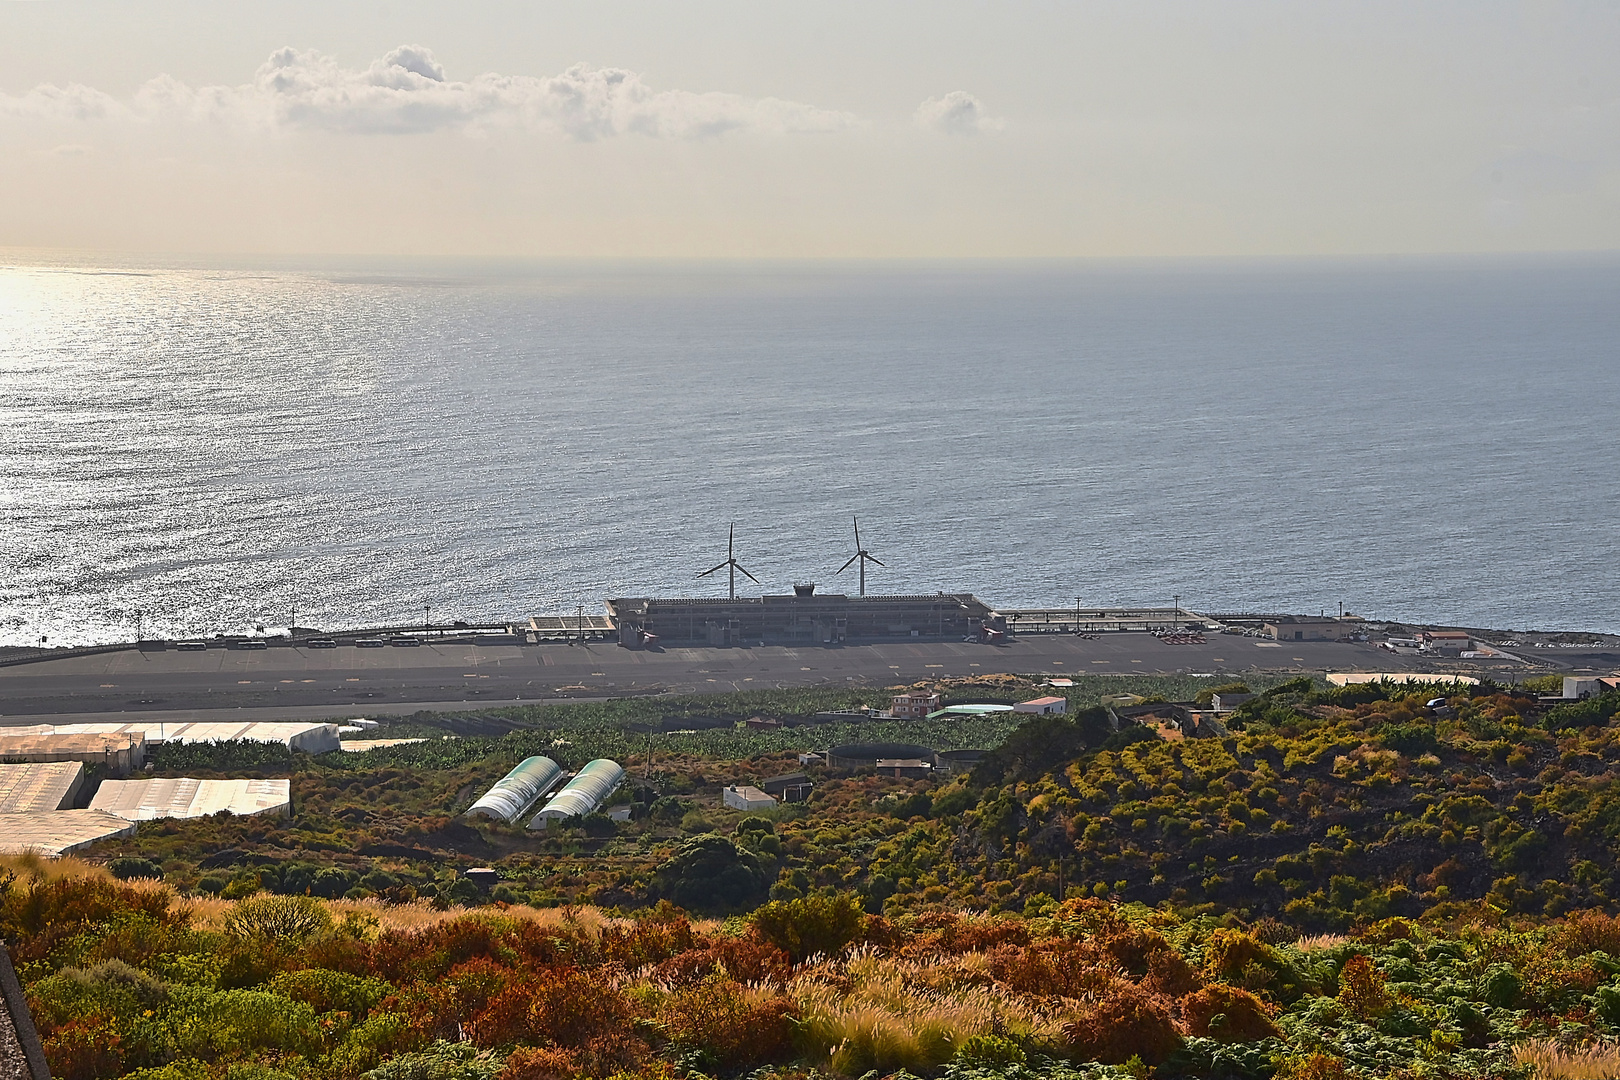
(745, 798)
(1228, 702)
(790, 787)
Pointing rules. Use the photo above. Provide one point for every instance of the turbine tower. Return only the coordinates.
(731, 561)
(861, 556)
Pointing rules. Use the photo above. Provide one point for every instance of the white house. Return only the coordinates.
(745, 797)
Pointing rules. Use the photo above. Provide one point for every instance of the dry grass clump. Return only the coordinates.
(33, 865)
(1313, 942)
(1600, 1061)
(883, 1012)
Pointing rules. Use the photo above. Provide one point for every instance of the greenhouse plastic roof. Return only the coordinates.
(585, 792)
(58, 832)
(518, 790)
(310, 737)
(35, 786)
(171, 797)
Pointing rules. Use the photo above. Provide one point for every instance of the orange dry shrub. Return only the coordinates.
(1061, 968)
(732, 1024)
(429, 953)
(565, 1008)
(1132, 946)
(85, 1048)
(950, 933)
(540, 1063)
(1169, 974)
(1361, 989)
(748, 960)
(1228, 1014)
(1124, 1021)
(1590, 931)
(656, 936)
(38, 917)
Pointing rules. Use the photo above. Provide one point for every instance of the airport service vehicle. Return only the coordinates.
(321, 643)
(405, 642)
(368, 643)
(191, 646)
(250, 643)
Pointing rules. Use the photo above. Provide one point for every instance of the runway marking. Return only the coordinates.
(801, 669)
(593, 673)
(106, 685)
(1220, 659)
(471, 675)
(973, 665)
(1299, 658)
(1099, 661)
(351, 680)
(244, 682)
(289, 680)
(894, 667)
(925, 665)
(1136, 661)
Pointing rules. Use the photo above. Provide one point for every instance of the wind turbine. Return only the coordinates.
(731, 561)
(861, 556)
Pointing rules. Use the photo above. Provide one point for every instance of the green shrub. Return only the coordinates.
(127, 867)
(278, 918)
(811, 925)
(440, 1061)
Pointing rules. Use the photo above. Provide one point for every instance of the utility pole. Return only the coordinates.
(138, 614)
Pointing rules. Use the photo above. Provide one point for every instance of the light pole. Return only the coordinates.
(425, 609)
(138, 614)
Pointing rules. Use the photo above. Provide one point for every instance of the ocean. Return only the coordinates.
(214, 445)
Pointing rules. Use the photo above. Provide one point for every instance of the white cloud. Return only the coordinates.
(71, 102)
(957, 113)
(409, 92)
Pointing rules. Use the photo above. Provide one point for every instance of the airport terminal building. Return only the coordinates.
(804, 618)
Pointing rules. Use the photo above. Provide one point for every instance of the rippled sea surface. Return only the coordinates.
(213, 445)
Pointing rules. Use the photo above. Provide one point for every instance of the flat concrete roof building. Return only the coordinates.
(35, 786)
(1309, 628)
(807, 619)
(746, 798)
(58, 832)
(1043, 705)
(182, 797)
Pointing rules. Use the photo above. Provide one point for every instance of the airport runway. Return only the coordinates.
(348, 681)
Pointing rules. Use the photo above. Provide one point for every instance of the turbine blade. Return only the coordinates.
(870, 559)
(747, 575)
(847, 565)
(857, 522)
(722, 566)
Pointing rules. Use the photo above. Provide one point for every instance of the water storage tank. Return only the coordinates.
(518, 790)
(588, 790)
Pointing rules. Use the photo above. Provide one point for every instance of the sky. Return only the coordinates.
(939, 129)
